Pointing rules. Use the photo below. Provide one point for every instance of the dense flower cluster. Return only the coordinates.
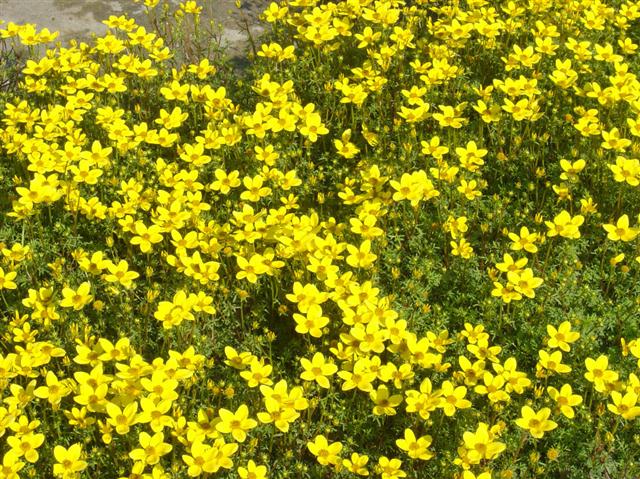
(404, 245)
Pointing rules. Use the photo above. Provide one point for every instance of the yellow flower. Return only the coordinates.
(154, 413)
(621, 230)
(509, 264)
(251, 268)
(449, 117)
(84, 173)
(424, 401)
(471, 156)
(492, 387)
(461, 248)
(109, 44)
(525, 240)
(68, 462)
(199, 459)
(11, 464)
(7, 279)
(173, 312)
(416, 448)
(146, 237)
(537, 423)
(524, 109)
(562, 336)
(17, 252)
(317, 370)
(237, 360)
(598, 374)
(237, 424)
(190, 6)
(160, 387)
(26, 445)
(471, 475)
(252, 471)
(361, 377)
(625, 406)
(571, 170)
(324, 452)
(474, 333)
(312, 323)
(565, 399)
(254, 189)
(54, 390)
(366, 227)
(225, 181)
(626, 170)
(414, 187)
(453, 398)
(76, 299)
(175, 91)
(120, 273)
(613, 141)
(481, 444)
(489, 113)
(360, 257)
(312, 126)
(257, 374)
(482, 350)
(122, 419)
(468, 189)
(506, 293)
(153, 448)
(413, 115)
(357, 464)
(390, 468)
(192, 154)
(306, 296)
(433, 148)
(524, 282)
(344, 147)
(202, 69)
(553, 362)
(385, 403)
(471, 372)
(553, 454)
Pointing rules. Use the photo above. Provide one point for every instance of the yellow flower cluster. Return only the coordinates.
(198, 277)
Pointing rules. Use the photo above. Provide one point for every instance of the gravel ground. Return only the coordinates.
(81, 18)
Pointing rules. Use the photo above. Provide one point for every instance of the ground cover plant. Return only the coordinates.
(403, 243)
